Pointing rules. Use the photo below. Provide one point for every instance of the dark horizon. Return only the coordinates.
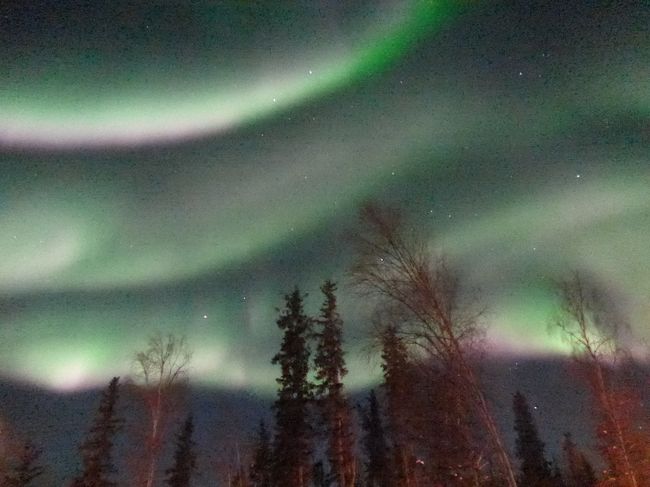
(224, 418)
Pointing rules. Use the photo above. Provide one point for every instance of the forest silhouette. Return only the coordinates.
(430, 422)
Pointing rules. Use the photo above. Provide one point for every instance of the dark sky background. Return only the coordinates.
(179, 166)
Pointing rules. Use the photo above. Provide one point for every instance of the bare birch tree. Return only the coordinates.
(592, 327)
(397, 269)
(162, 368)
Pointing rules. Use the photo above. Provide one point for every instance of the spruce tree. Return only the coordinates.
(180, 474)
(260, 472)
(292, 442)
(535, 470)
(375, 447)
(96, 450)
(397, 380)
(578, 470)
(26, 468)
(330, 369)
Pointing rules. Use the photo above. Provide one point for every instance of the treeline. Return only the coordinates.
(430, 421)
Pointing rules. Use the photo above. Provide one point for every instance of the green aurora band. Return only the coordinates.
(55, 110)
(518, 180)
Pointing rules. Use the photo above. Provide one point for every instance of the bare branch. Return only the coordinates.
(421, 299)
(163, 370)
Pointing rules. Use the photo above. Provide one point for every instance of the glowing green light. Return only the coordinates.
(95, 113)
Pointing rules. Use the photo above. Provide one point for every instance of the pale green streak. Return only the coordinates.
(522, 324)
(79, 345)
(60, 119)
(598, 227)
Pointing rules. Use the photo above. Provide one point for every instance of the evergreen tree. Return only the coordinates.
(535, 470)
(96, 450)
(445, 431)
(184, 457)
(397, 380)
(374, 445)
(330, 369)
(578, 470)
(260, 472)
(26, 468)
(292, 442)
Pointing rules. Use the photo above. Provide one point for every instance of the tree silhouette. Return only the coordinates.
(535, 470)
(26, 468)
(396, 268)
(261, 468)
(163, 370)
(180, 474)
(96, 450)
(292, 442)
(397, 384)
(442, 427)
(375, 447)
(578, 470)
(591, 324)
(330, 369)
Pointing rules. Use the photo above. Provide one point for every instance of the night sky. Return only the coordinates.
(179, 166)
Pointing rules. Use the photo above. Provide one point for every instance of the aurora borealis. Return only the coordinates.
(179, 168)
(224, 66)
